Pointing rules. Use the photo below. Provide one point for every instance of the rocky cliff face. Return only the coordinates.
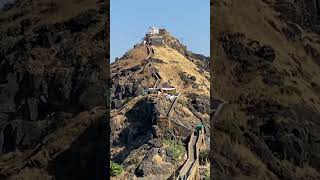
(267, 68)
(52, 79)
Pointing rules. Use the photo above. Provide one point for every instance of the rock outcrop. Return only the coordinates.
(267, 69)
(52, 78)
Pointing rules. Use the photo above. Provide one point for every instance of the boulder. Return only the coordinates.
(153, 163)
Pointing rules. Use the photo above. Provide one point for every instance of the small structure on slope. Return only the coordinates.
(162, 91)
(156, 40)
(200, 131)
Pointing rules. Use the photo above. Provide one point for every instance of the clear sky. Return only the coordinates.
(187, 20)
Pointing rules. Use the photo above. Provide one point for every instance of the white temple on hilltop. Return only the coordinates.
(154, 37)
(153, 30)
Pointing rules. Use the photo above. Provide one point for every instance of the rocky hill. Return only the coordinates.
(142, 140)
(52, 78)
(266, 65)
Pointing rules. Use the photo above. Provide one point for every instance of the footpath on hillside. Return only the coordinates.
(190, 168)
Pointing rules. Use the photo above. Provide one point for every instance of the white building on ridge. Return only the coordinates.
(153, 30)
(153, 37)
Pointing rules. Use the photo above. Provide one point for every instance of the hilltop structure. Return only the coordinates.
(154, 37)
(153, 30)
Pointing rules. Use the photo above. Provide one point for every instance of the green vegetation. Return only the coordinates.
(115, 169)
(203, 157)
(176, 148)
(207, 176)
(182, 102)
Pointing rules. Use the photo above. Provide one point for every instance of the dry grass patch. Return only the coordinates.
(157, 159)
(119, 120)
(305, 172)
(249, 163)
(175, 63)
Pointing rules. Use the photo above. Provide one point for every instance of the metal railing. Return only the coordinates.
(172, 105)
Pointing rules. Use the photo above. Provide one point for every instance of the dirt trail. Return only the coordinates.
(187, 169)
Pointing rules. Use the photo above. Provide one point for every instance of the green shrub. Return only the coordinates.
(182, 102)
(175, 147)
(115, 169)
(203, 157)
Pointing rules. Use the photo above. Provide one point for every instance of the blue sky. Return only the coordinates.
(187, 20)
